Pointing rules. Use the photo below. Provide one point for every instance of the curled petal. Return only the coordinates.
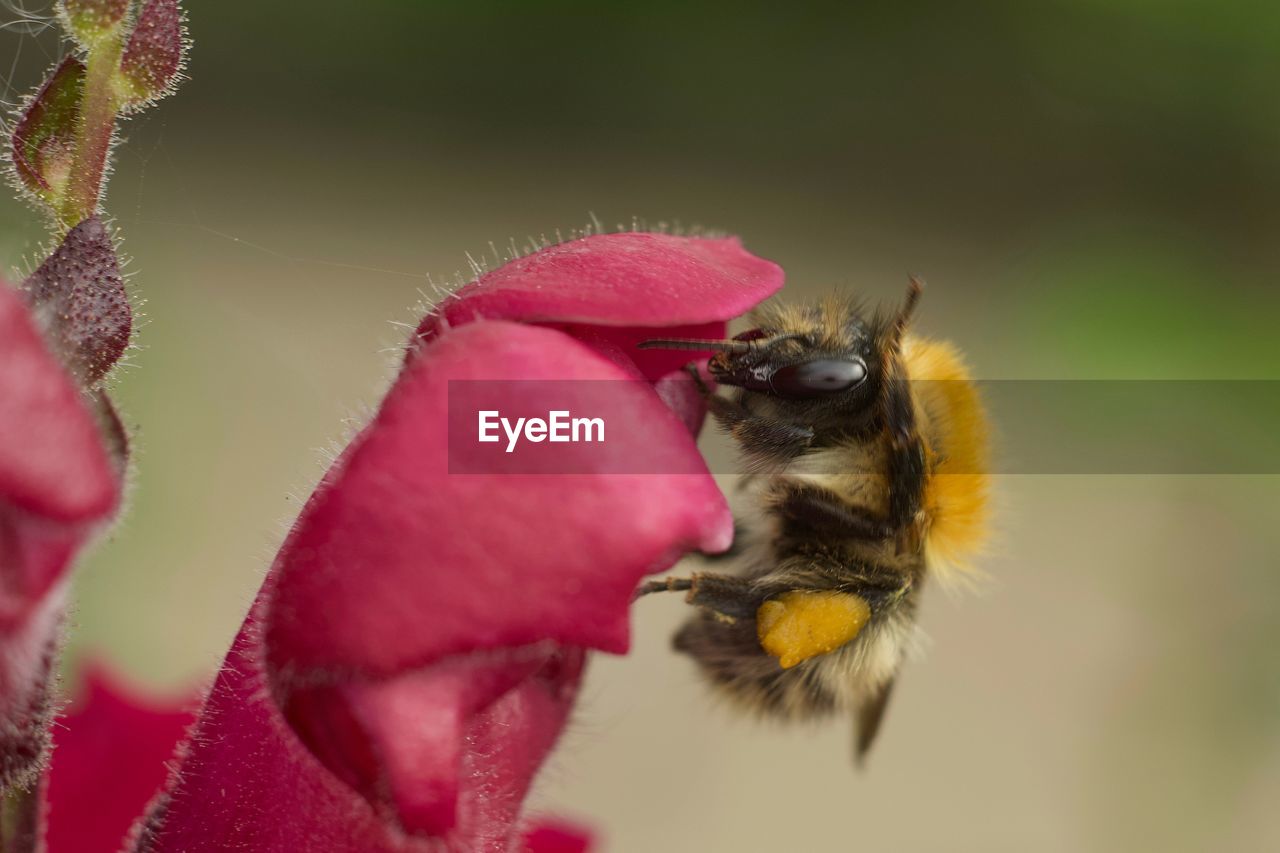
(613, 291)
(618, 280)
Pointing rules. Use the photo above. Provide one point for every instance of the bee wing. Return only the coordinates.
(867, 721)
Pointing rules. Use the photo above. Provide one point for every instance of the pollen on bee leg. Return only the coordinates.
(801, 624)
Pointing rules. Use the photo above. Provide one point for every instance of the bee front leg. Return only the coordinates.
(696, 373)
(762, 438)
(769, 438)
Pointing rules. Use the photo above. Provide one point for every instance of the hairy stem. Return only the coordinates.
(94, 130)
(20, 820)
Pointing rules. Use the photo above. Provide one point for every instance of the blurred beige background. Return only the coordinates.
(1091, 191)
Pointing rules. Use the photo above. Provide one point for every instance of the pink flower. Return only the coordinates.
(420, 639)
(57, 487)
(112, 748)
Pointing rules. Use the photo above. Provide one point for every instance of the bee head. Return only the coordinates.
(808, 360)
(794, 365)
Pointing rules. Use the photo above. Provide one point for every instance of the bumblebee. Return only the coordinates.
(866, 451)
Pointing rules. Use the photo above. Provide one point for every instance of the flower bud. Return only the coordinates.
(44, 136)
(154, 55)
(90, 20)
(79, 298)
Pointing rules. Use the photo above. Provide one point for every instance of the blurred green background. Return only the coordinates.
(1091, 188)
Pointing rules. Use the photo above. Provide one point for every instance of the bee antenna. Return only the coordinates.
(696, 344)
(914, 288)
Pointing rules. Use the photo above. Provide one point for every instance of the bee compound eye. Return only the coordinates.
(819, 377)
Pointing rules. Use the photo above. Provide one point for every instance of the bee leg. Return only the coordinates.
(766, 437)
(668, 585)
(727, 651)
(773, 440)
(818, 512)
(728, 597)
(778, 439)
(694, 371)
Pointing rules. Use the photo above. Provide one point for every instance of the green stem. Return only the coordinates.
(94, 130)
(20, 820)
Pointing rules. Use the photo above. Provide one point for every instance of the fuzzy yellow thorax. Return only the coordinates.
(801, 624)
(953, 422)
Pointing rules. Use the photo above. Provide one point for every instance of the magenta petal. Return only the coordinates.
(56, 482)
(476, 780)
(613, 291)
(453, 743)
(556, 836)
(111, 749)
(682, 396)
(52, 464)
(247, 783)
(497, 560)
(422, 634)
(56, 486)
(628, 279)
